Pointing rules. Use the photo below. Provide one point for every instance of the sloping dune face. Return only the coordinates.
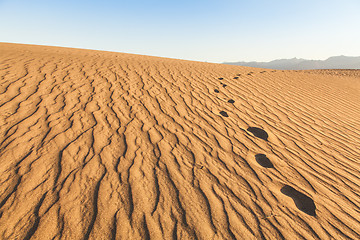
(100, 145)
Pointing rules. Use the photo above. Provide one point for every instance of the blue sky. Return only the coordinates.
(212, 30)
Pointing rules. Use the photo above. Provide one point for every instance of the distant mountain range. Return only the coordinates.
(338, 62)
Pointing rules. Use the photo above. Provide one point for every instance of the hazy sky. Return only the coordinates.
(204, 30)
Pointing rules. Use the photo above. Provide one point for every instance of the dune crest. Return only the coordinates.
(102, 145)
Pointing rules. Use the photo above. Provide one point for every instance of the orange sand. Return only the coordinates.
(102, 145)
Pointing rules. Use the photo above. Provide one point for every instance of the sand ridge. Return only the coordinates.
(102, 145)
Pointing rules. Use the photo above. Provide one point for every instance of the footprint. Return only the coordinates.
(302, 202)
(198, 166)
(223, 113)
(216, 90)
(263, 161)
(231, 101)
(220, 78)
(258, 132)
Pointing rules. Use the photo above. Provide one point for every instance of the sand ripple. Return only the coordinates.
(101, 145)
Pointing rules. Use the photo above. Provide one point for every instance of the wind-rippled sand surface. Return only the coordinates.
(101, 145)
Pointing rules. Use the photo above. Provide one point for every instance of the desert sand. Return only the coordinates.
(103, 145)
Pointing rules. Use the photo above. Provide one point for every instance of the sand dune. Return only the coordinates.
(102, 145)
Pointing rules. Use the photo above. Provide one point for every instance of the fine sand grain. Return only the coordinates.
(102, 145)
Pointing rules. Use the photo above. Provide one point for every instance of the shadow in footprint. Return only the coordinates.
(302, 202)
(263, 161)
(220, 78)
(231, 101)
(216, 90)
(236, 77)
(258, 132)
(224, 114)
(224, 85)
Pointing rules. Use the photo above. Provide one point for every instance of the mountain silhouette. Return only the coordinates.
(338, 62)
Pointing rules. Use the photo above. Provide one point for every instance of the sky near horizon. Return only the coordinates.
(202, 30)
